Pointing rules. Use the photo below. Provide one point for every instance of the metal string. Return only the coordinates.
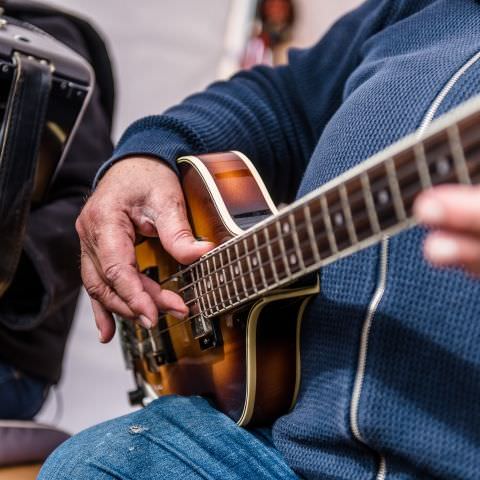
(407, 169)
(252, 270)
(358, 194)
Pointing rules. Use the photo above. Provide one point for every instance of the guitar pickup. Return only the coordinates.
(201, 327)
(206, 332)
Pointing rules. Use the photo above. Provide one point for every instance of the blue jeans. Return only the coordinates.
(173, 438)
(21, 396)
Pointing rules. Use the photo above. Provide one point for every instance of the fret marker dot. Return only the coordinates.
(443, 166)
(293, 259)
(209, 284)
(236, 270)
(221, 278)
(383, 197)
(254, 261)
(286, 227)
(338, 219)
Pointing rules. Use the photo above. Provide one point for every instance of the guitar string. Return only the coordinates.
(248, 290)
(406, 170)
(356, 195)
(223, 269)
(185, 320)
(246, 298)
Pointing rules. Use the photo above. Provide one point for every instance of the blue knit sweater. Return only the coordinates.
(404, 400)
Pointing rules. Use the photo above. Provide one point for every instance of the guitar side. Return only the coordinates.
(249, 364)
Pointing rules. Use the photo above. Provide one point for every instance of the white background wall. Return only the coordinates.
(162, 51)
(316, 16)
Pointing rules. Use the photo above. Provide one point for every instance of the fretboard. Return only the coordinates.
(354, 211)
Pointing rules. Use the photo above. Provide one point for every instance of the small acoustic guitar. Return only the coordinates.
(240, 344)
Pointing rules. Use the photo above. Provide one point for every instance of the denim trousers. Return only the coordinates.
(21, 396)
(173, 438)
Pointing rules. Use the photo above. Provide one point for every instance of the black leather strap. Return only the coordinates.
(21, 133)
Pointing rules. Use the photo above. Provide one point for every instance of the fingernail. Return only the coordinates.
(146, 322)
(430, 211)
(100, 336)
(177, 314)
(442, 250)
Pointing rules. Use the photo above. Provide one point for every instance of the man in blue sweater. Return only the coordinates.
(391, 345)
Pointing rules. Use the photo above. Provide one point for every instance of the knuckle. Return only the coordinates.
(114, 272)
(97, 291)
(172, 206)
(182, 234)
(79, 226)
(87, 224)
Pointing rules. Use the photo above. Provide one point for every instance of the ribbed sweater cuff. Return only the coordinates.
(166, 145)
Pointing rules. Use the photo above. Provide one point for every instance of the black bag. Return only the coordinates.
(37, 309)
(44, 90)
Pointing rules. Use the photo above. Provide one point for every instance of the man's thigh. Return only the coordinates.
(174, 437)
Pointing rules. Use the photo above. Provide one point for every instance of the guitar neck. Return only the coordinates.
(354, 211)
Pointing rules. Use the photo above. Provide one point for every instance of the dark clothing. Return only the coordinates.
(391, 346)
(37, 310)
(21, 396)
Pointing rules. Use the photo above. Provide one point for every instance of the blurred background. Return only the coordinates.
(162, 51)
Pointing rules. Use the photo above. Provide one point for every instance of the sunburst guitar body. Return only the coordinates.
(244, 354)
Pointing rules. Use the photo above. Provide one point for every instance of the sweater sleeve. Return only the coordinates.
(273, 115)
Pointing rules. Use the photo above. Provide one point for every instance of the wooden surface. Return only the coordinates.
(25, 472)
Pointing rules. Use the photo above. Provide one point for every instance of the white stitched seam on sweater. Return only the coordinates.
(380, 290)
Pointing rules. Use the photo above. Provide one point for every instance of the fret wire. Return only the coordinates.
(311, 233)
(219, 286)
(455, 143)
(373, 239)
(270, 254)
(348, 213)
(395, 189)
(363, 177)
(206, 282)
(242, 279)
(232, 273)
(327, 260)
(259, 259)
(298, 274)
(249, 264)
(211, 281)
(296, 242)
(281, 243)
(223, 272)
(248, 295)
(422, 165)
(328, 224)
(268, 245)
(424, 174)
(188, 268)
(201, 296)
(205, 286)
(284, 280)
(274, 258)
(369, 202)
